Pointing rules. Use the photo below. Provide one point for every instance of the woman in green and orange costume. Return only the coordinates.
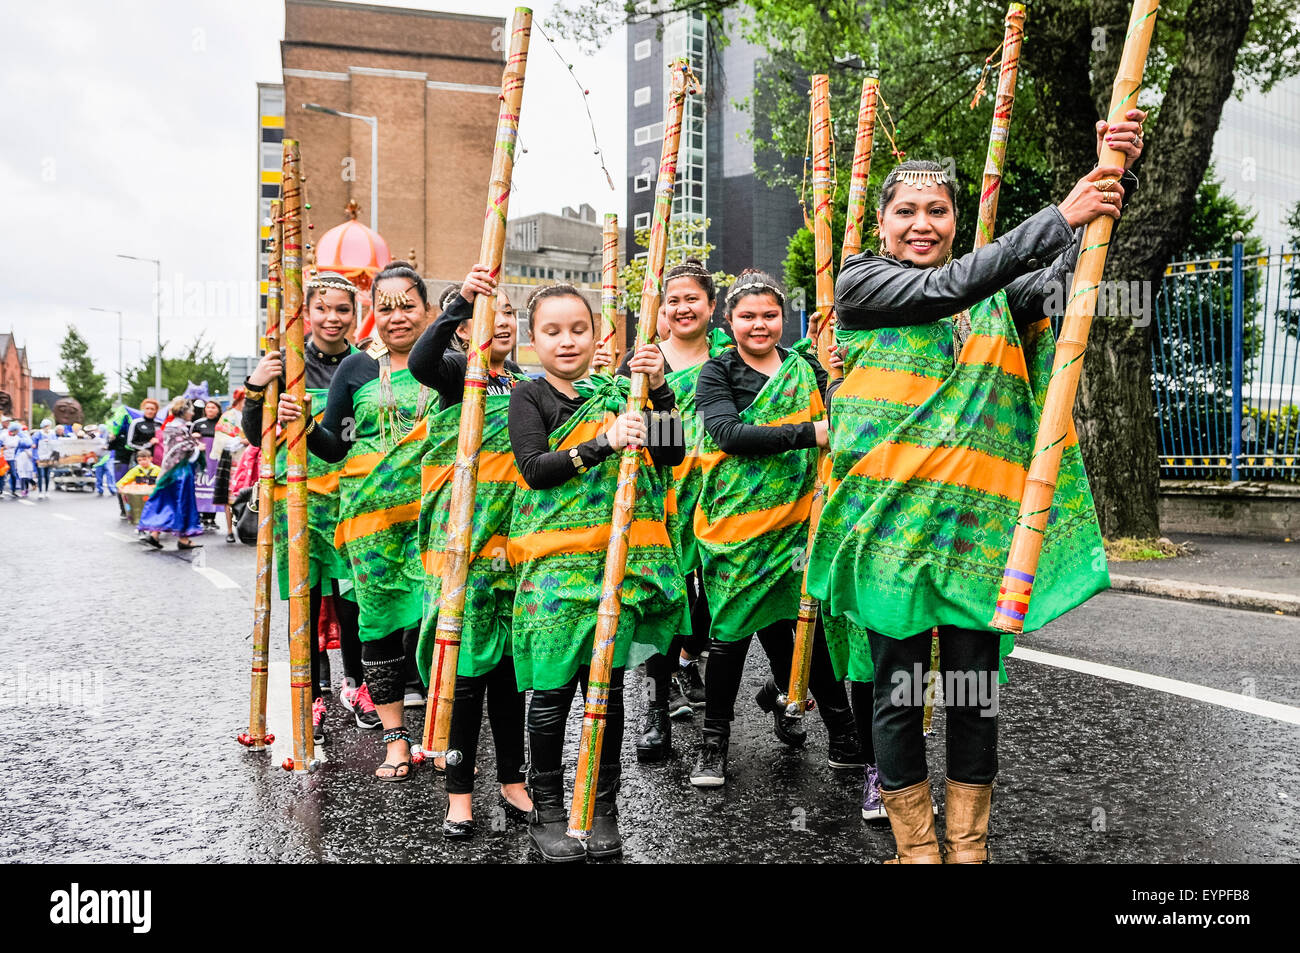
(686, 343)
(376, 419)
(331, 309)
(762, 409)
(946, 369)
(567, 432)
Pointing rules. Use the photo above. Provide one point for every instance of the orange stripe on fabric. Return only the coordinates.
(987, 349)
(899, 387)
(362, 464)
(368, 523)
(581, 433)
(956, 466)
(435, 561)
(733, 529)
(492, 468)
(323, 485)
(587, 540)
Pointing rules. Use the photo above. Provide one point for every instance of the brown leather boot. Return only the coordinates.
(967, 822)
(912, 820)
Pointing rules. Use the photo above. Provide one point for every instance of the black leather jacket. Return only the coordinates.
(1028, 262)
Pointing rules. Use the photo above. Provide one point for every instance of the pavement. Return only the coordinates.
(1133, 730)
(1261, 575)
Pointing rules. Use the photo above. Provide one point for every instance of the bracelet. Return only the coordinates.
(311, 425)
(251, 391)
(576, 460)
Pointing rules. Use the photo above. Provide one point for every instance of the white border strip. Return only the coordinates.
(463, 87)
(1254, 706)
(315, 74)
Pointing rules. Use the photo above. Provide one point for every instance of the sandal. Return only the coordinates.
(395, 734)
(180, 545)
(153, 541)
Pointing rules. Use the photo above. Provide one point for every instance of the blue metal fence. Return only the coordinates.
(1225, 358)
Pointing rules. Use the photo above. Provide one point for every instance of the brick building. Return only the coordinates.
(432, 80)
(15, 379)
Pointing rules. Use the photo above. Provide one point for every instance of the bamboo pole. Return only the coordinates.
(1013, 35)
(257, 737)
(602, 650)
(1054, 425)
(796, 695)
(863, 142)
(609, 288)
(460, 522)
(295, 439)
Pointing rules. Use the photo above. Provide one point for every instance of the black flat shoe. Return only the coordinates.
(458, 830)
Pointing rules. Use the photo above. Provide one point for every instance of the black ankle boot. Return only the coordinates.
(787, 729)
(656, 741)
(845, 748)
(548, 820)
(605, 840)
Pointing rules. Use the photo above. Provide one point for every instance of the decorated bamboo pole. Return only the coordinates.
(863, 141)
(460, 522)
(1055, 422)
(796, 695)
(611, 590)
(257, 737)
(608, 288)
(1012, 36)
(295, 439)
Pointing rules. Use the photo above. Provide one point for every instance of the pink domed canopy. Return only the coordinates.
(352, 250)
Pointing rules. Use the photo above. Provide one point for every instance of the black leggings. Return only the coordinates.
(43, 478)
(659, 668)
(505, 705)
(861, 695)
(968, 665)
(549, 711)
(346, 612)
(727, 664)
(384, 662)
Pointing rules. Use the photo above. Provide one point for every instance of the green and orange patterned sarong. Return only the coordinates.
(324, 561)
(490, 584)
(688, 473)
(379, 506)
(930, 461)
(751, 521)
(559, 539)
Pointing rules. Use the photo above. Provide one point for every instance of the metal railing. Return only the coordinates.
(1225, 356)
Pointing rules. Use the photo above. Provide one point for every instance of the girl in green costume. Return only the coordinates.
(567, 437)
(331, 308)
(686, 343)
(485, 666)
(376, 418)
(762, 407)
(947, 366)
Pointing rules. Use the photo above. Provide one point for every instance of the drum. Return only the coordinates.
(134, 495)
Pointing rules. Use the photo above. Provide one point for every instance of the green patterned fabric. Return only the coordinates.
(490, 585)
(687, 474)
(324, 561)
(929, 464)
(751, 521)
(379, 505)
(558, 543)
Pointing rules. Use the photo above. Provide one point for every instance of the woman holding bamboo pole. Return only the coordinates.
(567, 433)
(331, 305)
(761, 406)
(676, 688)
(376, 419)
(934, 425)
(485, 664)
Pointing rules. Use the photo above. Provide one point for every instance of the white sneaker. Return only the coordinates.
(413, 699)
(348, 694)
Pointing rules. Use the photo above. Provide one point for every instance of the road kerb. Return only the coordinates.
(1254, 599)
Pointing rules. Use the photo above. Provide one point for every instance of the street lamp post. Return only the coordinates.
(157, 310)
(373, 123)
(119, 349)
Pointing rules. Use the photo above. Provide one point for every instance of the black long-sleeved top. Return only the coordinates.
(138, 434)
(435, 364)
(728, 385)
(1030, 262)
(319, 372)
(537, 409)
(331, 438)
(207, 427)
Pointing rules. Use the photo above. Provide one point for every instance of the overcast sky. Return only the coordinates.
(130, 127)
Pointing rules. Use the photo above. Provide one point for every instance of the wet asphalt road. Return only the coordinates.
(140, 764)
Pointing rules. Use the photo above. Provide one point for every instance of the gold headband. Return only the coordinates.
(387, 299)
(919, 178)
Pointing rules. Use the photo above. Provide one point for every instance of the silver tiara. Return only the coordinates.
(919, 178)
(754, 283)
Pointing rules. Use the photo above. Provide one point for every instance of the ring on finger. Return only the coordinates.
(1104, 185)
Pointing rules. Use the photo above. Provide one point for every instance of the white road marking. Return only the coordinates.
(26, 502)
(216, 577)
(64, 516)
(1254, 706)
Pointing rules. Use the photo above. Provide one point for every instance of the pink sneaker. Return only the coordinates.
(318, 721)
(363, 709)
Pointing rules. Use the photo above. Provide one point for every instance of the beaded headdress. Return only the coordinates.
(918, 178)
(754, 282)
(393, 300)
(331, 279)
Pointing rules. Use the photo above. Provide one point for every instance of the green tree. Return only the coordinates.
(85, 384)
(685, 240)
(197, 364)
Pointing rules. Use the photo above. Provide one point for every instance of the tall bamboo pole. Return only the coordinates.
(611, 591)
(860, 173)
(796, 696)
(257, 736)
(295, 438)
(460, 522)
(1054, 425)
(609, 287)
